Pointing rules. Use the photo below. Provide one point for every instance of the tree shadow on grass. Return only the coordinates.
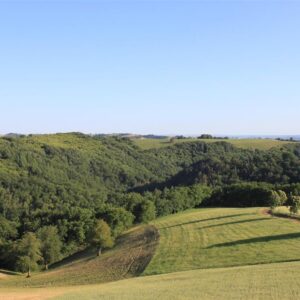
(206, 220)
(235, 222)
(76, 257)
(262, 239)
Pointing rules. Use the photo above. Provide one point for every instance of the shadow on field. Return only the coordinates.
(262, 239)
(235, 222)
(206, 220)
(74, 258)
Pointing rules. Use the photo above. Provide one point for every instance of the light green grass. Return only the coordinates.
(223, 237)
(261, 144)
(261, 282)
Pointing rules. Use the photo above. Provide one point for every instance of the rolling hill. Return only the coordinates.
(261, 144)
(201, 253)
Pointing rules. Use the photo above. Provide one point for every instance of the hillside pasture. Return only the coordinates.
(261, 144)
(128, 258)
(210, 253)
(223, 237)
(260, 282)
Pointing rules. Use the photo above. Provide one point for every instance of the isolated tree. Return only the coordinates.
(50, 244)
(274, 199)
(283, 197)
(29, 250)
(101, 236)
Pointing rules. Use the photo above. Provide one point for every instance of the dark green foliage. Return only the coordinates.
(8, 230)
(277, 198)
(291, 189)
(175, 199)
(205, 136)
(118, 218)
(294, 204)
(242, 195)
(145, 211)
(222, 164)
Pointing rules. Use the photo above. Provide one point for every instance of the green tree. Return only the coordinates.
(145, 211)
(118, 218)
(148, 211)
(274, 199)
(50, 244)
(294, 202)
(29, 250)
(283, 197)
(101, 236)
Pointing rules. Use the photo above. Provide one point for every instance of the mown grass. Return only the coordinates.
(223, 237)
(261, 144)
(128, 258)
(260, 282)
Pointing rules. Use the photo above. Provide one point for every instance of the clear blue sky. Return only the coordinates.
(150, 67)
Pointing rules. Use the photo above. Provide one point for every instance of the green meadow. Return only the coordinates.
(261, 144)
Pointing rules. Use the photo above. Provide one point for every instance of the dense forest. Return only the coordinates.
(54, 189)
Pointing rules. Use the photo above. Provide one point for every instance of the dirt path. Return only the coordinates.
(265, 212)
(30, 294)
(3, 276)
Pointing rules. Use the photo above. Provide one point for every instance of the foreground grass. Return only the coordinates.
(127, 259)
(260, 282)
(273, 281)
(223, 237)
(261, 144)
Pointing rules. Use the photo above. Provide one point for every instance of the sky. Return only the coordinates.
(162, 67)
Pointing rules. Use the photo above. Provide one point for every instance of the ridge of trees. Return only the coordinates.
(55, 189)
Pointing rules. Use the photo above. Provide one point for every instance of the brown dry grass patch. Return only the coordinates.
(129, 258)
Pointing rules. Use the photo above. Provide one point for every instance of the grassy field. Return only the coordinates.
(128, 258)
(260, 282)
(262, 144)
(273, 281)
(223, 237)
(212, 253)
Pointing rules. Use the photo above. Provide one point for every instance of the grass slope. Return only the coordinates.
(229, 253)
(273, 281)
(223, 237)
(261, 144)
(128, 258)
(260, 282)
